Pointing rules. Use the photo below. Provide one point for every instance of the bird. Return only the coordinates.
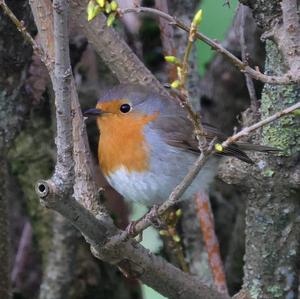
(146, 145)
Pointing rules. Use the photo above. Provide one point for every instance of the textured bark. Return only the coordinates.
(264, 11)
(272, 219)
(98, 280)
(5, 288)
(112, 49)
(272, 188)
(59, 271)
(14, 57)
(81, 152)
(195, 252)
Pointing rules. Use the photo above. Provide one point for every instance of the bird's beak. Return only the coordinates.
(92, 112)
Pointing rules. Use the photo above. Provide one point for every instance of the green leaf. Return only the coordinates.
(175, 84)
(101, 3)
(197, 18)
(296, 112)
(219, 148)
(114, 5)
(107, 8)
(93, 10)
(110, 19)
(172, 59)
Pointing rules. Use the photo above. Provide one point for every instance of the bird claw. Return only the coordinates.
(131, 231)
(154, 217)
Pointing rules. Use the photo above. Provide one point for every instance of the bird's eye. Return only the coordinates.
(125, 108)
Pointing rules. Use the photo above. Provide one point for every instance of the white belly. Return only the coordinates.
(155, 186)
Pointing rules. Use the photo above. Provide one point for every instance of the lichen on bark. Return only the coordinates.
(285, 132)
(272, 218)
(32, 157)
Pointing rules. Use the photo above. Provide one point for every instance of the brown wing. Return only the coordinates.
(178, 131)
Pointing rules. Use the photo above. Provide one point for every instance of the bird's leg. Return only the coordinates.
(154, 217)
(131, 230)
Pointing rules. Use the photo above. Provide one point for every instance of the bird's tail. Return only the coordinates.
(256, 147)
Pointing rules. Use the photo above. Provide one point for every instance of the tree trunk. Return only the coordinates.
(59, 272)
(13, 106)
(272, 187)
(5, 289)
(272, 219)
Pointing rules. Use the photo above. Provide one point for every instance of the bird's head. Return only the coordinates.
(127, 104)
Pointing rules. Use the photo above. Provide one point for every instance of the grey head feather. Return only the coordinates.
(143, 99)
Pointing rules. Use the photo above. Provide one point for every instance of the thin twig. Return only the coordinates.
(21, 27)
(206, 220)
(249, 81)
(247, 130)
(183, 96)
(255, 74)
(167, 38)
(22, 254)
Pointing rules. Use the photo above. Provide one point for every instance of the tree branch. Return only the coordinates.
(64, 172)
(260, 124)
(249, 81)
(207, 225)
(21, 27)
(5, 285)
(60, 267)
(116, 54)
(288, 78)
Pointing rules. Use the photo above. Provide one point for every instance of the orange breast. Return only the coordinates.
(122, 142)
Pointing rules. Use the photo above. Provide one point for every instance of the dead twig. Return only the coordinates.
(249, 81)
(22, 253)
(21, 27)
(167, 38)
(206, 220)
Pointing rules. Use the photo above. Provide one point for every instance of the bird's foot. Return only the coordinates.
(131, 231)
(154, 217)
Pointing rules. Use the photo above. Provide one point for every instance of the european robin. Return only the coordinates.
(147, 145)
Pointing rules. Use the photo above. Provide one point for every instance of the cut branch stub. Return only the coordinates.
(42, 189)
